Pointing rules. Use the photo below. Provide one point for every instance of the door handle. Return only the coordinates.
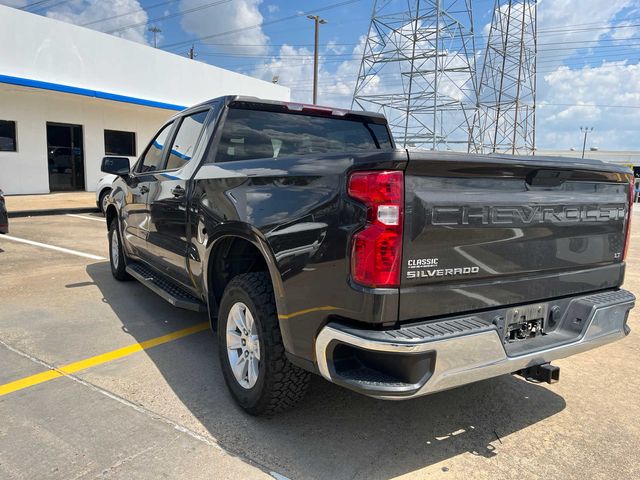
(144, 189)
(177, 191)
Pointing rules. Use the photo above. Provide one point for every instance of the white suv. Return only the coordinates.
(103, 190)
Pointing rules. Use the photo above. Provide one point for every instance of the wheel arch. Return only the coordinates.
(110, 214)
(237, 250)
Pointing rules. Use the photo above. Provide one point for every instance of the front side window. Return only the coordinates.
(120, 143)
(152, 159)
(186, 140)
(8, 136)
(250, 134)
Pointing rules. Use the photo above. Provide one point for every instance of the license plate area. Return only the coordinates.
(525, 322)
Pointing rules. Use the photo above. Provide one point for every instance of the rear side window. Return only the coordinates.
(152, 159)
(249, 134)
(186, 140)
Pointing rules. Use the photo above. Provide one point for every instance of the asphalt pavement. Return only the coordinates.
(104, 379)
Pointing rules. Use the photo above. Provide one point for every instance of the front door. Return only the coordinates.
(135, 212)
(65, 157)
(167, 241)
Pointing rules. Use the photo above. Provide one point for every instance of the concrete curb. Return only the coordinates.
(52, 211)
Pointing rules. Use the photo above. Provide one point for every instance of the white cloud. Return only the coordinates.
(294, 67)
(576, 97)
(581, 89)
(273, 8)
(238, 14)
(334, 47)
(580, 22)
(86, 11)
(626, 31)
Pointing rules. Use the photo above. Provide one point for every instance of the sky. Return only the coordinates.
(588, 60)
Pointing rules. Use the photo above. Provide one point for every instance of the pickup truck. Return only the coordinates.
(316, 246)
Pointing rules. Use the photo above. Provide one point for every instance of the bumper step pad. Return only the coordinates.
(164, 287)
(438, 330)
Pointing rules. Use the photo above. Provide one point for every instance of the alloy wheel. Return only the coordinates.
(243, 345)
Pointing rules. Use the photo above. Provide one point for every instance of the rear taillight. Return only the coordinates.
(377, 248)
(627, 237)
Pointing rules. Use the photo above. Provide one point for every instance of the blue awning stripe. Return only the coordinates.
(57, 87)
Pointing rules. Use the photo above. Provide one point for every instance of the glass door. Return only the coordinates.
(65, 157)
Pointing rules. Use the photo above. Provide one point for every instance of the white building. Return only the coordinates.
(70, 95)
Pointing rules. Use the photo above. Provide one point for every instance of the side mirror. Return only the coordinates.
(116, 165)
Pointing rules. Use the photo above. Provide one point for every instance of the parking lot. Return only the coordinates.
(104, 379)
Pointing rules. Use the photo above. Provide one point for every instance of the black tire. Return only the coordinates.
(117, 258)
(280, 385)
(104, 194)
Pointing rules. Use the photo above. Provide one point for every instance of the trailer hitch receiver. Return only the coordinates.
(541, 373)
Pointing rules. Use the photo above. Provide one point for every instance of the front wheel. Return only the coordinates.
(116, 253)
(255, 367)
(104, 200)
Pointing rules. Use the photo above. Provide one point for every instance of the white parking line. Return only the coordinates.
(86, 218)
(52, 247)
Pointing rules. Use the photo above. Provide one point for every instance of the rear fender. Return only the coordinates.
(244, 231)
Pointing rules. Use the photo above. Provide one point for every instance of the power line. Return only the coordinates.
(357, 55)
(34, 4)
(131, 12)
(334, 78)
(597, 105)
(353, 44)
(259, 25)
(170, 15)
(49, 7)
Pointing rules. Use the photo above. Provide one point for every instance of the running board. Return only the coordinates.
(172, 293)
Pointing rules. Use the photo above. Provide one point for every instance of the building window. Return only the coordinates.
(8, 136)
(119, 143)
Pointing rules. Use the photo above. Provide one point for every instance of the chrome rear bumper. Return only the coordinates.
(453, 352)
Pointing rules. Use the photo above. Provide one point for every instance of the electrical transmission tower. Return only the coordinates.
(418, 68)
(507, 91)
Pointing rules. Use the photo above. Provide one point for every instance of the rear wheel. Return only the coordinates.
(116, 252)
(255, 367)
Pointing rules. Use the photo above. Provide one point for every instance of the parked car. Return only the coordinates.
(317, 246)
(103, 189)
(4, 216)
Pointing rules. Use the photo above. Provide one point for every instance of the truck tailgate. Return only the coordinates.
(486, 231)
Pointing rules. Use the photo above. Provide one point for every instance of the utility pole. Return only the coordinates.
(318, 21)
(586, 131)
(155, 30)
(191, 53)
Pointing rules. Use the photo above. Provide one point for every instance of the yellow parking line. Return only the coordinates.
(98, 359)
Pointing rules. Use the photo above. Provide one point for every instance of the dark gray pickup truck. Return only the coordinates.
(317, 246)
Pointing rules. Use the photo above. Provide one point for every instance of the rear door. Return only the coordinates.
(167, 240)
(488, 231)
(134, 213)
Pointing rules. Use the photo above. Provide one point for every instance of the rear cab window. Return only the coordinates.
(186, 140)
(251, 134)
(151, 160)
